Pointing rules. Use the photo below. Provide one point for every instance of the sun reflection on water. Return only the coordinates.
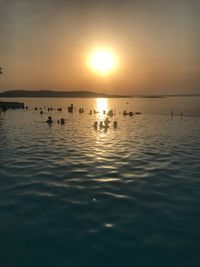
(101, 104)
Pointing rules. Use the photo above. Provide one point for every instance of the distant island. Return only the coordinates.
(57, 94)
(78, 94)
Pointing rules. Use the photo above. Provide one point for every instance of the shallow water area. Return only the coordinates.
(73, 195)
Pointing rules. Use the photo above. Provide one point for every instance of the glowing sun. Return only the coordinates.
(102, 61)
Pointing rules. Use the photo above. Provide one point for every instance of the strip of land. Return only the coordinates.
(11, 105)
(79, 94)
(57, 94)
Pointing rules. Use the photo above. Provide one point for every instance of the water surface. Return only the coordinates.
(72, 195)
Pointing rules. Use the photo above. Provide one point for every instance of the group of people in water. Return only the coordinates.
(102, 124)
(50, 121)
(130, 113)
(105, 124)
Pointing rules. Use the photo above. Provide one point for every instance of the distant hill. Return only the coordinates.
(78, 94)
(54, 94)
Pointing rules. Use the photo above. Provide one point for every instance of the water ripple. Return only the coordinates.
(74, 196)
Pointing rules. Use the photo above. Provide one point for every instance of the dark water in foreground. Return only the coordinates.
(74, 196)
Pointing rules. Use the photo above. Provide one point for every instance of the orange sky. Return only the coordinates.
(44, 45)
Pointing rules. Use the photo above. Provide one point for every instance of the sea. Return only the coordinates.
(77, 195)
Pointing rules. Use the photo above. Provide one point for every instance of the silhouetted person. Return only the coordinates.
(1, 72)
(106, 122)
(49, 121)
(95, 124)
(62, 121)
(110, 113)
(70, 108)
(101, 124)
(115, 124)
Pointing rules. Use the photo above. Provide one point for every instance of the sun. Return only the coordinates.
(102, 61)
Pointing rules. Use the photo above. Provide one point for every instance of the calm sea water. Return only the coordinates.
(71, 195)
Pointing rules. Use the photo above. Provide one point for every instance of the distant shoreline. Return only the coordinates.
(77, 94)
(58, 94)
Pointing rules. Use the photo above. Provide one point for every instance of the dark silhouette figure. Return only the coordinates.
(110, 113)
(101, 124)
(115, 124)
(62, 121)
(106, 122)
(1, 72)
(95, 124)
(49, 121)
(70, 108)
(81, 110)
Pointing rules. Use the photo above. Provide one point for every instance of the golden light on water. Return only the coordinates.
(102, 61)
(101, 104)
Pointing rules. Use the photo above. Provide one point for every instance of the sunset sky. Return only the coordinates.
(44, 44)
